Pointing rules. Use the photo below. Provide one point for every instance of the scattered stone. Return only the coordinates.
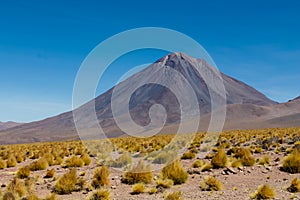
(113, 187)
(231, 170)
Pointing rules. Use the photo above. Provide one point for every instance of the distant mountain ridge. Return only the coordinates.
(245, 105)
(9, 124)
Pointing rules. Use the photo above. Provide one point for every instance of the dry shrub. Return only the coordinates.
(211, 184)
(67, 183)
(206, 167)
(74, 161)
(291, 163)
(263, 192)
(175, 172)
(124, 160)
(162, 157)
(52, 197)
(138, 188)
(32, 197)
(11, 161)
(40, 164)
(2, 164)
(100, 194)
(86, 159)
(188, 155)
(8, 196)
(152, 190)
(101, 177)
(50, 159)
(50, 173)
(245, 156)
(173, 196)
(265, 160)
(295, 186)
(164, 183)
(220, 159)
(198, 163)
(16, 187)
(23, 172)
(138, 174)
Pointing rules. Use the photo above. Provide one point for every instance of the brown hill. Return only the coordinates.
(246, 107)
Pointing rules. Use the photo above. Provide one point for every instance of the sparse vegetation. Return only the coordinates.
(233, 150)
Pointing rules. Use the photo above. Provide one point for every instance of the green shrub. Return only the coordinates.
(175, 172)
(67, 183)
(138, 174)
(291, 163)
(173, 196)
(263, 192)
(74, 161)
(40, 164)
(23, 172)
(138, 188)
(211, 184)
(101, 177)
(295, 186)
(220, 159)
(100, 194)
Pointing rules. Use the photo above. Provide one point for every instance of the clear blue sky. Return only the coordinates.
(42, 44)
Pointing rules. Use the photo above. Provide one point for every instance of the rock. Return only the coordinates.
(224, 173)
(231, 170)
(240, 168)
(268, 168)
(113, 187)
